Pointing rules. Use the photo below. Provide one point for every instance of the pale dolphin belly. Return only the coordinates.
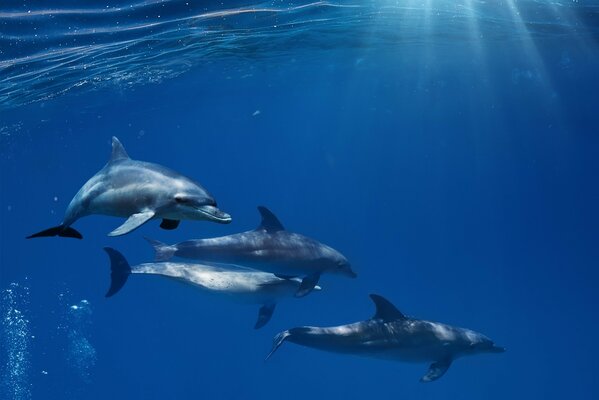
(242, 285)
(237, 283)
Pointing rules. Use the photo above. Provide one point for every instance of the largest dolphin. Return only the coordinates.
(268, 248)
(139, 191)
(391, 335)
(241, 284)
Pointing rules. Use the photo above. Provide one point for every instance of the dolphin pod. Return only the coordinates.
(261, 266)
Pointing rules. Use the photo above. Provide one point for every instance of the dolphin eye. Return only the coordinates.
(180, 199)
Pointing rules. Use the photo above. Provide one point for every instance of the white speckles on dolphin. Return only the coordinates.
(241, 284)
(391, 335)
(139, 191)
(268, 248)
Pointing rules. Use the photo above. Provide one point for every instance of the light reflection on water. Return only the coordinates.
(47, 52)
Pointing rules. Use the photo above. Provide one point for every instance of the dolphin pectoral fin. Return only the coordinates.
(133, 222)
(307, 285)
(169, 224)
(436, 370)
(264, 315)
(59, 230)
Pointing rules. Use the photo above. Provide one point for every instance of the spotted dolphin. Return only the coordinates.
(268, 248)
(240, 284)
(391, 335)
(139, 191)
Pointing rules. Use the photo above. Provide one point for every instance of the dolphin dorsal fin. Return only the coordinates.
(269, 223)
(118, 151)
(385, 310)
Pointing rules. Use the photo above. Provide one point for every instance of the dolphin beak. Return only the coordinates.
(214, 214)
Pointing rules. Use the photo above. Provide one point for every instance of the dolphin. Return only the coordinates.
(241, 284)
(139, 191)
(268, 248)
(391, 335)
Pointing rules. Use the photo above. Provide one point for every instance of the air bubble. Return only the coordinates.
(16, 337)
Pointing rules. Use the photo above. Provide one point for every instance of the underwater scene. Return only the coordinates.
(389, 199)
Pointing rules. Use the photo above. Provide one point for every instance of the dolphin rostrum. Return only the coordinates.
(268, 248)
(241, 284)
(139, 191)
(391, 335)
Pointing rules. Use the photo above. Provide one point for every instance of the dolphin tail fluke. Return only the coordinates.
(60, 230)
(277, 342)
(119, 271)
(163, 251)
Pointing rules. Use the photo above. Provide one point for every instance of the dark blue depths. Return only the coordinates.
(457, 172)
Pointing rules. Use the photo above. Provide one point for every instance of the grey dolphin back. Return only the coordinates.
(385, 310)
(436, 370)
(119, 271)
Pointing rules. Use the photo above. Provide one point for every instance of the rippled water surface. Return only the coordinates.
(47, 51)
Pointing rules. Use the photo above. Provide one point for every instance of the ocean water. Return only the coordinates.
(448, 148)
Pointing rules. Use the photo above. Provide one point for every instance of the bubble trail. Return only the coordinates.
(15, 344)
(81, 355)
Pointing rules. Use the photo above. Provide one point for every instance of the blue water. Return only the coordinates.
(447, 148)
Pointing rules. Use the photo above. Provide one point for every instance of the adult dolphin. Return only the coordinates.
(139, 191)
(391, 335)
(268, 248)
(241, 284)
